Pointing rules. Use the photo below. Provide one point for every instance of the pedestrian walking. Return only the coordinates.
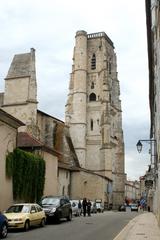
(79, 208)
(89, 204)
(84, 205)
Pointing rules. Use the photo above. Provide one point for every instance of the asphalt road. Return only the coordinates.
(101, 226)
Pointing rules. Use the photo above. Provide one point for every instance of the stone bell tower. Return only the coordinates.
(93, 109)
(20, 96)
(76, 114)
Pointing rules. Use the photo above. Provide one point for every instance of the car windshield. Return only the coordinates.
(98, 205)
(50, 201)
(18, 209)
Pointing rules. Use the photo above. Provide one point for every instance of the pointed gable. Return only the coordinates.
(21, 65)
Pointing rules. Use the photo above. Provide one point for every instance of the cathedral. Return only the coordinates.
(84, 155)
(93, 110)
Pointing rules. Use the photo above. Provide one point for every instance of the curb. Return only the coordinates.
(125, 231)
(142, 226)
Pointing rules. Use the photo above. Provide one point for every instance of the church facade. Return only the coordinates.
(93, 110)
(85, 154)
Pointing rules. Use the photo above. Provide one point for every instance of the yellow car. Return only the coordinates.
(24, 215)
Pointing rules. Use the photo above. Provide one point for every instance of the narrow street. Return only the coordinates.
(102, 226)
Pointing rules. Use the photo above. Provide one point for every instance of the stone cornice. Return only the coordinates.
(10, 120)
(94, 142)
(20, 103)
(15, 77)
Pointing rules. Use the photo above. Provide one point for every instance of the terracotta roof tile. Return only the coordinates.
(26, 140)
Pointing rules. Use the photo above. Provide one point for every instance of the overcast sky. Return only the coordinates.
(50, 26)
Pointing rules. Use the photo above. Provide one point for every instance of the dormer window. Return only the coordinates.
(93, 62)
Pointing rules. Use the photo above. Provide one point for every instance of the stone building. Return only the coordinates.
(47, 136)
(132, 191)
(75, 166)
(153, 38)
(38, 132)
(8, 137)
(93, 110)
(20, 96)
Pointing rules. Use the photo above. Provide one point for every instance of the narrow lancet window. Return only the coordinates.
(93, 62)
(91, 124)
(110, 68)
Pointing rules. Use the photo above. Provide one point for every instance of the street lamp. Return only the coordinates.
(139, 146)
(150, 178)
(152, 143)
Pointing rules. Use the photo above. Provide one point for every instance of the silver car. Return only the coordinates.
(93, 207)
(74, 205)
(100, 207)
(134, 207)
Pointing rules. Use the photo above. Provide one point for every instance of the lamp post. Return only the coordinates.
(139, 146)
(153, 151)
(150, 177)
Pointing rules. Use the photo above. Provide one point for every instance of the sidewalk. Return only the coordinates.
(144, 226)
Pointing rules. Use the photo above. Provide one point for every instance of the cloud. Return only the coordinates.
(136, 164)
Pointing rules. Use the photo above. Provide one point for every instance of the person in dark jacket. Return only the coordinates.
(84, 205)
(79, 208)
(89, 204)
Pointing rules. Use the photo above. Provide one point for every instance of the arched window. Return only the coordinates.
(93, 62)
(92, 97)
(91, 124)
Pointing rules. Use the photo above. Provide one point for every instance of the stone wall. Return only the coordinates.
(63, 182)
(8, 136)
(91, 186)
(51, 184)
(7, 144)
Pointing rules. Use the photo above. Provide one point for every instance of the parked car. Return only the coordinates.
(134, 207)
(74, 205)
(100, 207)
(57, 207)
(93, 207)
(122, 208)
(24, 215)
(3, 226)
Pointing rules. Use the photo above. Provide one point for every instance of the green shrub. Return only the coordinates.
(28, 175)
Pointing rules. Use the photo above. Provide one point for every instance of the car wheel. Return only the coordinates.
(42, 224)
(26, 225)
(4, 231)
(69, 218)
(57, 219)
